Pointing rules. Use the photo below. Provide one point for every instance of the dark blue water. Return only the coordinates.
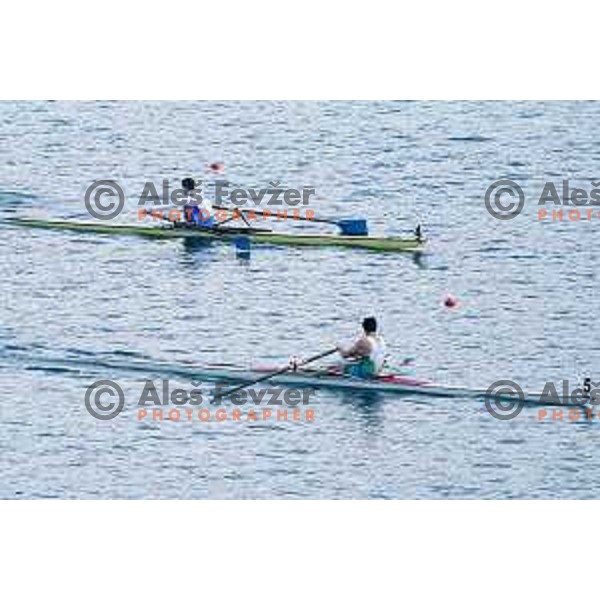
(72, 301)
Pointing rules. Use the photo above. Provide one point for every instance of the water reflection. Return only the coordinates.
(367, 405)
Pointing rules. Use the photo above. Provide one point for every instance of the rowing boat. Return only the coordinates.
(262, 236)
(388, 383)
(394, 383)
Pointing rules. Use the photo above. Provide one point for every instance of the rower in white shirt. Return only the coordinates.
(366, 357)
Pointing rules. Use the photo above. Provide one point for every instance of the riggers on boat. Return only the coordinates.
(260, 236)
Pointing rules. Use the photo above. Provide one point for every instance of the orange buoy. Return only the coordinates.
(450, 301)
(217, 167)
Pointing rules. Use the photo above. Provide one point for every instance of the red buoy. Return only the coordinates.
(450, 301)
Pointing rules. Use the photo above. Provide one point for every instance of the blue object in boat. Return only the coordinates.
(353, 227)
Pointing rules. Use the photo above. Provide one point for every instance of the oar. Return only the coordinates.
(348, 226)
(155, 214)
(274, 373)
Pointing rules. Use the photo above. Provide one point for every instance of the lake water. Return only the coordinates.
(72, 302)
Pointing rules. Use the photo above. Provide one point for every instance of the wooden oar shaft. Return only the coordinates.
(272, 214)
(156, 214)
(273, 374)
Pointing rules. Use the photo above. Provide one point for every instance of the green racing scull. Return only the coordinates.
(262, 236)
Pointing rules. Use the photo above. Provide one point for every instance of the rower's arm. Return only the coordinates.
(359, 349)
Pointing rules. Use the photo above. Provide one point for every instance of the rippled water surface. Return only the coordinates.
(72, 302)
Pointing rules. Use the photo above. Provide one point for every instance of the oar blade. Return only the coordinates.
(353, 227)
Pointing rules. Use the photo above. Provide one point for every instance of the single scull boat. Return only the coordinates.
(389, 383)
(262, 236)
(226, 374)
